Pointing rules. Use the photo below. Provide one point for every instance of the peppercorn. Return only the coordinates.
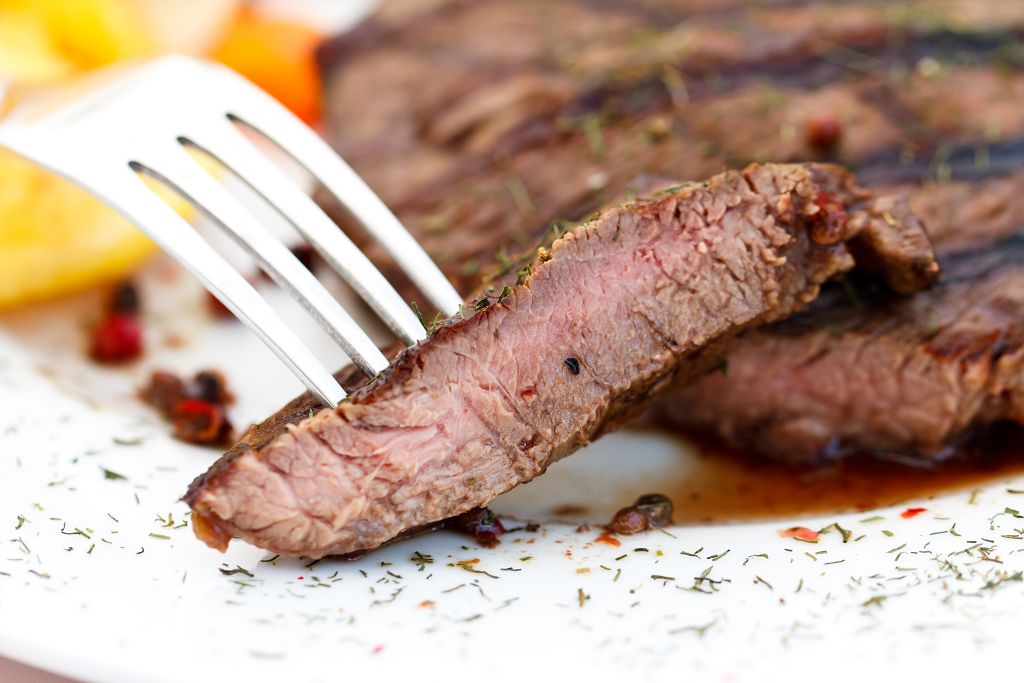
(125, 299)
(824, 132)
(210, 386)
(481, 523)
(628, 521)
(828, 224)
(163, 392)
(116, 339)
(657, 508)
(196, 409)
(200, 422)
(649, 511)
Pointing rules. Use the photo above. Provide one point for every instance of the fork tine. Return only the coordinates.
(223, 141)
(251, 106)
(140, 205)
(175, 168)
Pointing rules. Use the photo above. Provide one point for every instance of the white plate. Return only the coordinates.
(89, 586)
(117, 602)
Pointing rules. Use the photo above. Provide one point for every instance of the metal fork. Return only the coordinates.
(103, 131)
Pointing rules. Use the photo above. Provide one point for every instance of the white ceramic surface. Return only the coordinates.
(98, 583)
(89, 586)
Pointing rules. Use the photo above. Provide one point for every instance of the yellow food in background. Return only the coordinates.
(27, 51)
(54, 237)
(92, 33)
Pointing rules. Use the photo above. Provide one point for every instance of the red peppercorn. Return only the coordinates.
(196, 409)
(828, 225)
(481, 524)
(164, 392)
(117, 339)
(200, 422)
(824, 132)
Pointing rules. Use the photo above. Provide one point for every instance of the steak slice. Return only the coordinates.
(910, 377)
(541, 112)
(611, 314)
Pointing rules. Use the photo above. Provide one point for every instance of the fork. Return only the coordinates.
(109, 128)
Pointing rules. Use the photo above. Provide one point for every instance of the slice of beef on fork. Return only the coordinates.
(611, 314)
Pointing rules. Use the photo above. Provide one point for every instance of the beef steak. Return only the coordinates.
(871, 373)
(538, 112)
(617, 308)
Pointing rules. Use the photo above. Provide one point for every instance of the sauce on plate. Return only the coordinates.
(729, 486)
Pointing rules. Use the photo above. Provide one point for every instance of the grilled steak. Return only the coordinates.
(612, 313)
(539, 112)
(542, 111)
(894, 377)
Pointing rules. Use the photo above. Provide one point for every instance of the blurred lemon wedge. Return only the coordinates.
(27, 51)
(54, 237)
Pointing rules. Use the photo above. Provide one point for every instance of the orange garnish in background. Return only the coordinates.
(609, 539)
(277, 55)
(912, 512)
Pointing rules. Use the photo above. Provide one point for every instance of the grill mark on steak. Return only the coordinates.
(918, 145)
(508, 124)
(800, 72)
(431, 437)
(809, 60)
(967, 161)
(462, 50)
(393, 23)
(470, 210)
(903, 379)
(648, 97)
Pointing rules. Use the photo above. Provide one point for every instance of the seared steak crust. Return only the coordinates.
(540, 112)
(618, 308)
(872, 373)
